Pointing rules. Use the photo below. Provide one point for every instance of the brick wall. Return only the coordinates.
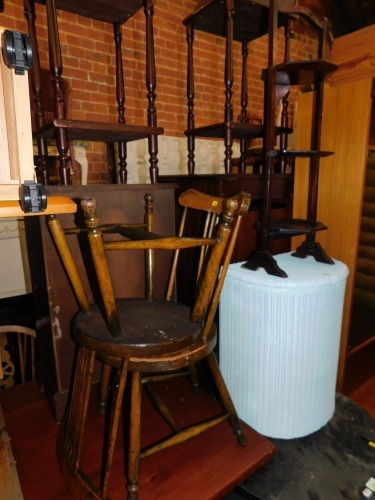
(89, 67)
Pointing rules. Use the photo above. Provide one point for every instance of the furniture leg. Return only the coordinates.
(134, 436)
(103, 388)
(225, 398)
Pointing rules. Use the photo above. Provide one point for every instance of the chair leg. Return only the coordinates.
(107, 465)
(194, 379)
(134, 436)
(104, 387)
(74, 422)
(225, 398)
(161, 407)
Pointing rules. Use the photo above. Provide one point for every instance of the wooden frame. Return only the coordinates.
(16, 147)
(345, 129)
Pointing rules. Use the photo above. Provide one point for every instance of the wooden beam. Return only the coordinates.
(55, 205)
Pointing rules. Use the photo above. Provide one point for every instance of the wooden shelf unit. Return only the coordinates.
(242, 21)
(64, 130)
(237, 21)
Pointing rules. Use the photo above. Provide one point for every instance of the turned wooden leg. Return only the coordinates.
(107, 465)
(104, 387)
(226, 399)
(134, 436)
(74, 422)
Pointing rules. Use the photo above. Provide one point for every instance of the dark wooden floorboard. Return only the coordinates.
(33, 436)
(206, 467)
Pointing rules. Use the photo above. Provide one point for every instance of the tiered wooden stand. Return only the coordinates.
(243, 21)
(65, 130)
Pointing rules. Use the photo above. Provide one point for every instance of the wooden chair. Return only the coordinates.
(145, 335)
(25, 340)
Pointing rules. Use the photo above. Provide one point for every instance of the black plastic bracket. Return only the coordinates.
(17, 51)
(33, 197)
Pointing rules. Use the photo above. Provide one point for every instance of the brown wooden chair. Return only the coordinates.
(145, 336)
(25, 345)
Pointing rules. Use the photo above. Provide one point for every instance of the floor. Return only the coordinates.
(33, 436)
(333, 463)
(213, 461)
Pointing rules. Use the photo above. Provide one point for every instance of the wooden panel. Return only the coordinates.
(355, 53)
(345, 130)
(55, 205)
(14, 265)
(16, 148)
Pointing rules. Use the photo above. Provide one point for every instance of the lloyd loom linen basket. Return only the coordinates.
(279, 344)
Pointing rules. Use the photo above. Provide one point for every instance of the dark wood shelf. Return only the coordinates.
(97, 131)
(217, 130)
(119, 11)
(303, 153)
(300, 72)
(249, 22)
(293, 227)
(239, 130)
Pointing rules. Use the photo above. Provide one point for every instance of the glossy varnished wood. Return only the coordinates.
(55, 205)
(26, 403)
(97, 131)
(355, 56)
(183, 473)
(38, 469)
(345, 129)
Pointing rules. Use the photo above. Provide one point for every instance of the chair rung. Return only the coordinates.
(166, 376)
(183, 435)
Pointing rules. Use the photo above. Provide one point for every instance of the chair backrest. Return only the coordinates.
(223, 217)
(25, 345)
(60, 236)
(200, 216)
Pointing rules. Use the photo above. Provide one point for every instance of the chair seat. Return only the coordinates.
(155, 329)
